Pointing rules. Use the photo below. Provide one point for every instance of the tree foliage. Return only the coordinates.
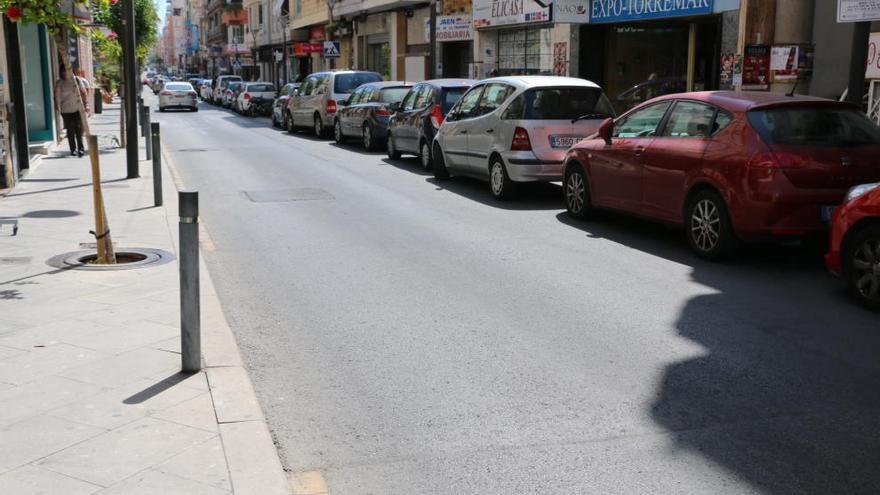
(146, 29)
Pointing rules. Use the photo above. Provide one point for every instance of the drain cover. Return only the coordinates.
(284, 195)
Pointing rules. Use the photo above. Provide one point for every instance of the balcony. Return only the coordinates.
(237, 17)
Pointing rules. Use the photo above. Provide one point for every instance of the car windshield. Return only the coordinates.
(822, 126)
(566, 104)
(392, 95)
(261, 88)
(451, 97)
(178, 87)
(347, 83)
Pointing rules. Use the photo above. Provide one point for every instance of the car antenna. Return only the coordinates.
(791, 93)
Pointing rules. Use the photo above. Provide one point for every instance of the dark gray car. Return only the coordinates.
(365, 114)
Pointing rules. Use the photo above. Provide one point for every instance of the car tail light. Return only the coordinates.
(166, 93)
(521, 140)
(437, 116)
(247, 96)
(331, 106)
(778, 159)
(383, 112)
(192, 93)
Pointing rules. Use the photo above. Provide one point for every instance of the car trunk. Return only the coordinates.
(551, 139)
(828, 168)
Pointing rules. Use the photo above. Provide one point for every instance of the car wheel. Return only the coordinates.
(161, 109)
(425, 156)
(576, 193)
(440, 172)
(368, 137)
(861, 266)
(708, 228)
(392, 151)
(499, 182)
(288, 124)
(337, 132)
(319, 126)
(195, 109)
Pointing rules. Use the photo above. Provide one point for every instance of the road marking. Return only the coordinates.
(308, 483)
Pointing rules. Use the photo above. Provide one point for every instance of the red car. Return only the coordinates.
(854, 251)
(726, 166)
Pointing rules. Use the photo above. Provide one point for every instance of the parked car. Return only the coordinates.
(315, 104)
(509, 130)
(279, 106)
(178, 95)
(207, 91)
(854, 248)
(726, 166)
(365, 113)
(220, 86)
(231, 93)
(253, 90)
(415, 120)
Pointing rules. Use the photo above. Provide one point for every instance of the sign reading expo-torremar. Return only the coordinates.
(629, 10)
(858, 10)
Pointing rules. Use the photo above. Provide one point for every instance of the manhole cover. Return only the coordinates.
(282, 195)
(15, 260)
(134, 257)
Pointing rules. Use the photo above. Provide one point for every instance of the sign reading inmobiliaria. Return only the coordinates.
(488, 13)
(631, 10)
(450, 28)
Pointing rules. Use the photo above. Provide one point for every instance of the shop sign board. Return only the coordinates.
(488, 13)
(858, 10)
(302, 49)
(450, 28)
(602, 11)
(571, 11)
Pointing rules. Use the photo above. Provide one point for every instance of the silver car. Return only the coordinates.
(314, 105)
(178, 95)
(517, 129)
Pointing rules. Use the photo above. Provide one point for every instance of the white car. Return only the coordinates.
(254, 90)
(178, 95)
(517, 129)
(220, 88)
(207, 91)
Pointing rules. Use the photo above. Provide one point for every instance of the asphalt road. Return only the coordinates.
(413, 337)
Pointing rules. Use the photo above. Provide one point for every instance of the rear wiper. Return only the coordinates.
(590, 116)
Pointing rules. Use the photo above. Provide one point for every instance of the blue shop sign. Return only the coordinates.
(602, 11)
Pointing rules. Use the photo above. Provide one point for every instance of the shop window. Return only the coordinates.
(642, 122)
(525, 51)
(689, 119)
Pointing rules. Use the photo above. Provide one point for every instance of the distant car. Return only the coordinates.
(315, 104)
(231, 93)
(516, 129)
(220, 85)
(207, 90)
(365, 113)
(415, 121)
(178, 95)
(158, 84)
(727, 166)
(854, 248)
(253, 90)
(279, 106)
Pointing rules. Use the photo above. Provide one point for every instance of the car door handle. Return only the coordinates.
(490, 130)
(639, 150)
(462, 132)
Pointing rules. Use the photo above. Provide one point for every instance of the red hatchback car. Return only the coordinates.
(854, 251)
(726, 166)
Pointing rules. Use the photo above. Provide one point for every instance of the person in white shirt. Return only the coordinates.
(67, 94)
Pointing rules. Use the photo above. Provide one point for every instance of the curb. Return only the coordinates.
(254, 465)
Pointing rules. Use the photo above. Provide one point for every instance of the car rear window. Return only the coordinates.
(451, 96)
(261, 88)
(178, 87)
(822, 126)
(347, 83)
(392, 95)
(565, 103)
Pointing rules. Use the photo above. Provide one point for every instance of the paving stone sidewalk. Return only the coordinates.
(91, 398)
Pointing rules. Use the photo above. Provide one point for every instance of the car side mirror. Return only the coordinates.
(606, 129)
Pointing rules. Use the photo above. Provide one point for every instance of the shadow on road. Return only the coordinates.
(530, 196)
(786, 395)
(410, 164)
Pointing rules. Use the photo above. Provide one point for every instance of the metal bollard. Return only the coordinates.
(190, 325)
(156, 146)
(141, 112)
(149, 141)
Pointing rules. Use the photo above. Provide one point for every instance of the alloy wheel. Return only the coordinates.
(497, 178)
(866, 268)
(574, 192)
(705, 225)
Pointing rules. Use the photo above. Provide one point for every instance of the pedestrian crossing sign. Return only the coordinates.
(331, 49)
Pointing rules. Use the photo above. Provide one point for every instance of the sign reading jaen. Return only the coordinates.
(633, 10)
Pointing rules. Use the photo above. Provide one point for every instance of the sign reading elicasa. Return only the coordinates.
(505, 12)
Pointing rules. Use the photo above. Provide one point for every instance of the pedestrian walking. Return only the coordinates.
(67, 94)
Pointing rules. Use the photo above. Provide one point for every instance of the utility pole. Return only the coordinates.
(432, 70)
(129, 63)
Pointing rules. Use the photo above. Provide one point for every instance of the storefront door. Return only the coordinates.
(457, 57)
(37, 95)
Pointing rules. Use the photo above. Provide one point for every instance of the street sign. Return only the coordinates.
(331, 49)
(236, 65)
(858, 10)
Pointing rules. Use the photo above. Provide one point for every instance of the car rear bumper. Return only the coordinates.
(526, 167)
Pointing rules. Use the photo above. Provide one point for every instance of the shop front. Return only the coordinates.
(373, 38)
(515, 37)
(642, 48)
(454, 36)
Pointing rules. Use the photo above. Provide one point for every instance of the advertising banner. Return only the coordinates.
(450, 28)
(571, 11)
(489, 13)
(858, 10)
(756, 68)
(633, 10)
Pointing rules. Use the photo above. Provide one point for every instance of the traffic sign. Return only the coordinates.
(331, 49)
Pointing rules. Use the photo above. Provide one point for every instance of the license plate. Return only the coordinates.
(180, 96)
(564, 141)
(827, 211)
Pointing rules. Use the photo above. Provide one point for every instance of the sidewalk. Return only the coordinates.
(91, 400)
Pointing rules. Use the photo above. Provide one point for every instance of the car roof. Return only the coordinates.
(744, 101)
(441, 83)
(542, 81)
